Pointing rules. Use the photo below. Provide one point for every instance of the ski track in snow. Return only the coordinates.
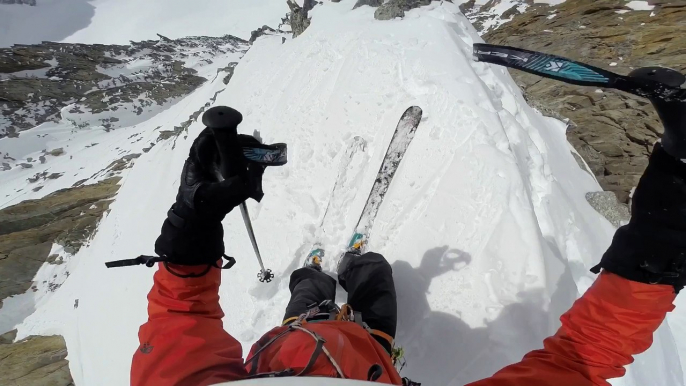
(485, 223)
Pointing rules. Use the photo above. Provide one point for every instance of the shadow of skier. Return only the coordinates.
(440, 348)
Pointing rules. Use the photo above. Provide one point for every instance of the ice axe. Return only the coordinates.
(224, 121)
(662, 86)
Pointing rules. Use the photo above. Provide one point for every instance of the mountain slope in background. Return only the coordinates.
(120, 21)
(486, 223)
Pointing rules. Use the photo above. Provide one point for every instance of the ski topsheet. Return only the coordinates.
(404, 133)
(402, 137)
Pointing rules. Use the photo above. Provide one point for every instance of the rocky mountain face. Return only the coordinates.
(28, 231)
(55, 81)
(613, 132)
(36, 360)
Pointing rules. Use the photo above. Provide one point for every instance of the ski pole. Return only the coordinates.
(224, 121)
(265, 275)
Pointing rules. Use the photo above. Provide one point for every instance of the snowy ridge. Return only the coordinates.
(485, 224)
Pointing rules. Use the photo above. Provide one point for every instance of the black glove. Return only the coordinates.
(652, 247)
(193, 234)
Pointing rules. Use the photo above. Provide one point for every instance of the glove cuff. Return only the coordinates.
(184, 240)
(638, 256)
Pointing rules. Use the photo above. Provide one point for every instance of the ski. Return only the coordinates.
(351, 168)
(402, 137)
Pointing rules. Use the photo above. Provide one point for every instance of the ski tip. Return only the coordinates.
(413, 113)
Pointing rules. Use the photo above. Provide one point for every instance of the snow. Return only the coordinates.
(485, 224)
(640, 6)
(119, 21)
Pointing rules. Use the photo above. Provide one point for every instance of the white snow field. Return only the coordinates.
(485, 223)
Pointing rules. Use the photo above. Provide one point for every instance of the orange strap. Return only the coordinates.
(382, 335)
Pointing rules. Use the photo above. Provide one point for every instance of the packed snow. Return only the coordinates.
(485, 223)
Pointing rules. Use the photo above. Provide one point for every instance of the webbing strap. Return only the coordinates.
(326, 352)
(382, 335)
(289, 320)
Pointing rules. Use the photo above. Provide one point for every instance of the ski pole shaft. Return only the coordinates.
(251, 233)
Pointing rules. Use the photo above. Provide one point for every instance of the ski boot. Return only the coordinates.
(355, 249)
(357, 244)
(314, 259)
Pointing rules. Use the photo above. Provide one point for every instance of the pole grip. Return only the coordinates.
(672, 110)
(224, 121)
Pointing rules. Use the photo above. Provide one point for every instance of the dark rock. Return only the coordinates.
(396, 8)
(389, 12)
(260, 32)
(371, 3)
(36, 360)
(510, 12)
(29, 229)
(56, 152)
(606, 203)
(229, 71)
(468, 6)
(8, 337)
(299, 19)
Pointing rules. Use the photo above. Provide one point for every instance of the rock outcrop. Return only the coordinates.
(614, 132)
(29, 229)
(36, 360)
(45, 82)
(607, 204)
(392, 9)
(371, 3)
(298, 17)
(489, 16)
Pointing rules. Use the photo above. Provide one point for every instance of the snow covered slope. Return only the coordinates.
(485, 224)
(119, 21)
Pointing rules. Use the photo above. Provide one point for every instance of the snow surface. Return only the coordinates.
(119, 21)
(640, 6)
(485, 223)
